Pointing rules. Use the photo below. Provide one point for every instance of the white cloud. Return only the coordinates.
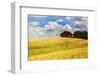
(85, 22)
(52, 29)
(35, 23)
(36, 32)
(76, 29)
(59, 20)
(78, 23)
(33, 33)
(53, 25)
(81, 24)
(69, 18)
(67, 27)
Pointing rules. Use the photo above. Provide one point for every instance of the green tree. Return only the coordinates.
(80, 34)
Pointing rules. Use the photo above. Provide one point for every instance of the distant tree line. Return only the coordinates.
(76, 34)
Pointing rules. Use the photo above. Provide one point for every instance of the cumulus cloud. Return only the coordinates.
(80, 23)
(59, 20)
(76, 29)
(35, 23)
(33, 33)
(52, 29)
(37, 32)
(67, 27)
(53, 25)
(69, 18)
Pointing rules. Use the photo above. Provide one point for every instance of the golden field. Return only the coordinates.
(57, 48)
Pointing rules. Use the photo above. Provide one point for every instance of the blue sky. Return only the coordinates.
(43, 20)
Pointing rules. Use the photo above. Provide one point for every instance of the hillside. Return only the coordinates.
(57, 48)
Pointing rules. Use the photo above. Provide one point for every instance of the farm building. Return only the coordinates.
(66, 34)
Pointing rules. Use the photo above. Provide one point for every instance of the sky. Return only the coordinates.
(43, 20)
(52, 26)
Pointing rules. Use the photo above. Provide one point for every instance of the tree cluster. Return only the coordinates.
(76, 34)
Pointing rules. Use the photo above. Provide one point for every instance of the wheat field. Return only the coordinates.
(57, 48)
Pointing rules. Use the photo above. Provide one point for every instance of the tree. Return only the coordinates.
(85, 35)
(80, 34)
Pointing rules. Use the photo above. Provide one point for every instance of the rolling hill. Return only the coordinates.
(57, 48)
